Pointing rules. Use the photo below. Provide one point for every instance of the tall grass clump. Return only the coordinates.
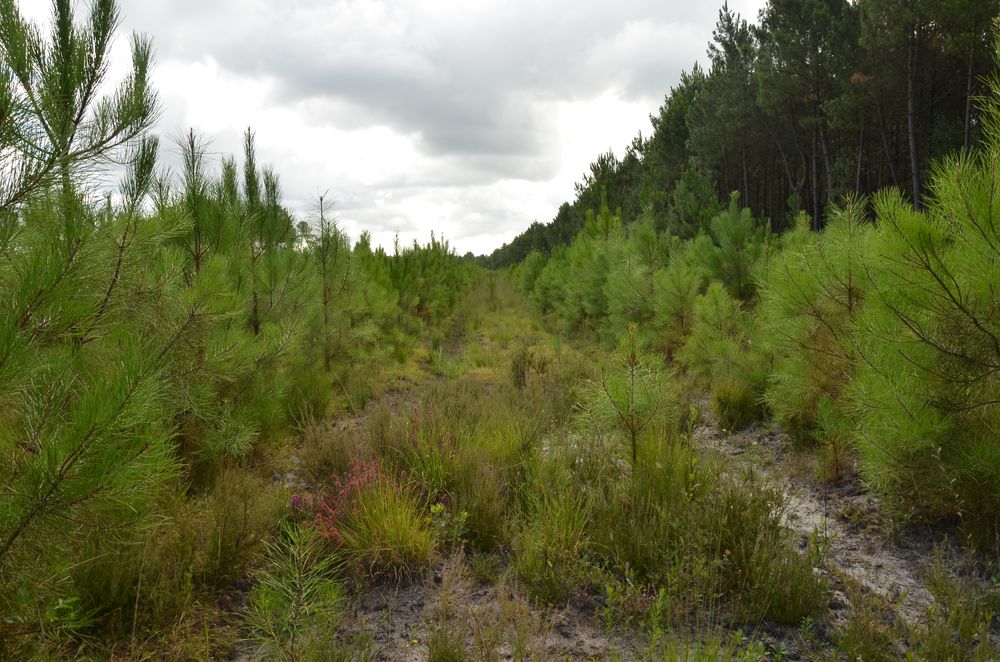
(552, 546)
(759, 563)
(492, 471)
(377, 524)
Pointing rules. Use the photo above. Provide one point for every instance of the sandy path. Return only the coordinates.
(857, 533)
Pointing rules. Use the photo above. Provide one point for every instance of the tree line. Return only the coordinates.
(817, 100)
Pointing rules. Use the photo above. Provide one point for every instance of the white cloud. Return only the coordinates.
(471, 118)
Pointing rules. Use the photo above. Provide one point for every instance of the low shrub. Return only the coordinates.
(378, 525)
(200, 546)
(551, 548)
(961, 622)
(759, 563)
(327, 450)
(523, 360)
(639, 522)
(296, 604)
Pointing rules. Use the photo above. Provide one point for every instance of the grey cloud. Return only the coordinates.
(473, 83)
(463, 81)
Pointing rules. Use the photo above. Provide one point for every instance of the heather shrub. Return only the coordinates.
(198, 546)
(243, 510)
(378, 525)
(420, 443)
(327, 450)
(639, 521)
(757, 560)
(522, 361)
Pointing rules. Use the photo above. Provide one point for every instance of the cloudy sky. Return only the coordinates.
(468, 117)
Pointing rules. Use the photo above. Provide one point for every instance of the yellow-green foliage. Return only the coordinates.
(926, 392)
(721, 355)
(811, 295)
(385, 529)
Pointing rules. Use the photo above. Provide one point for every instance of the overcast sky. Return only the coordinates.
(470, 118)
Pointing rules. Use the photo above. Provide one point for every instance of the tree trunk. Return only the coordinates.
(911, 111)
(827, 162)
(815, 181)
(781, 153)
(746, 181)
(861, 151)
(967, 142)
(885, 146)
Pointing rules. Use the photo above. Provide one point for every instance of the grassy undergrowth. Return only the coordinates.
(566, 476)
(565, 482)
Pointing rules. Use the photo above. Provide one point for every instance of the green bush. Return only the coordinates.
(925, 393)
(810, 298)
(677, 288)
(632, 395)
(296, 604)
(720, 354)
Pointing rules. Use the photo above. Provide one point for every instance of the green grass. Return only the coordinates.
(386, 530)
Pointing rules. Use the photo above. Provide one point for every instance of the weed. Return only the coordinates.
(551, 548)
(327, 450)
(379, 525)
(296, 604)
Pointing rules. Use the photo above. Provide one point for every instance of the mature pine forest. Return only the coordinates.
(815, 101)
(739, 400)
